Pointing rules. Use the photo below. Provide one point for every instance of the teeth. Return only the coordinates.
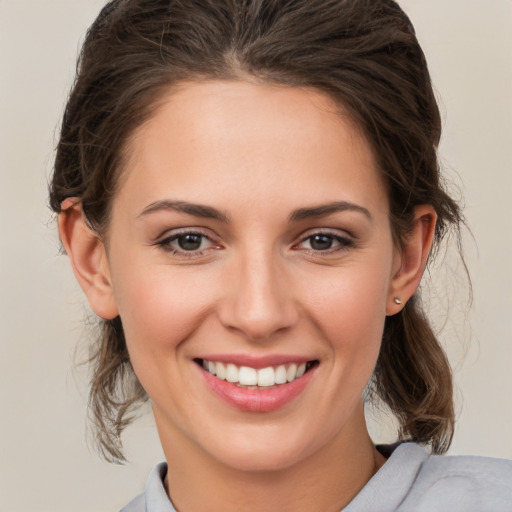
(291, 373)
(220, 371)
(281, 374)
(247, 376)
(301, 370)
(231, 373)
(266, 377)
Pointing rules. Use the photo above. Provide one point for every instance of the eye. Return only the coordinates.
(325, 242)
(187, 243)
(321, 242)
(190, 242)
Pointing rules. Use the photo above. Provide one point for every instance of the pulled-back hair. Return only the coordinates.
(363, 53)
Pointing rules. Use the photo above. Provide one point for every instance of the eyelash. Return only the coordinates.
(343, 242)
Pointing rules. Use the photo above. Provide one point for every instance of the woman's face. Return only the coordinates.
(250, 238)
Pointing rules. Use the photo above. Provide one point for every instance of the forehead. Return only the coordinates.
(243, 140)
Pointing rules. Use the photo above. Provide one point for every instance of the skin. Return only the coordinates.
(257, 286)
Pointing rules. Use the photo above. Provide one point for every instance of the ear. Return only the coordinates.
(88, 259)
(411, 258)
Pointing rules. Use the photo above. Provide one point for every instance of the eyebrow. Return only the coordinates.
(207, 212)
(197, 210)
(327, 209)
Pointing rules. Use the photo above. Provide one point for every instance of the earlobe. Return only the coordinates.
(88, 259)
(411, 259)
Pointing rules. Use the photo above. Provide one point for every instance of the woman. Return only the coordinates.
(249, 192)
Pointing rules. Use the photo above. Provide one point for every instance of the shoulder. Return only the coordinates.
(412, 480)
(465, 483)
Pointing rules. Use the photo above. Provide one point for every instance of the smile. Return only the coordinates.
(246, 376)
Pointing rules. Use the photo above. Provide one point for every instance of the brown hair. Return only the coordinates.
(363, 53)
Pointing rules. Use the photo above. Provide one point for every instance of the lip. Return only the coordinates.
(257, 400)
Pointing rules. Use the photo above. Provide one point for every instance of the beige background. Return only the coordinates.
(45, 464)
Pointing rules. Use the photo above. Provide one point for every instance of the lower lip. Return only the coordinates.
(257, 400)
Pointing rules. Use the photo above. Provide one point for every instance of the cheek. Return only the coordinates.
(159, 309)
(349, 309)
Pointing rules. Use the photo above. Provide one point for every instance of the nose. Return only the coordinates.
(258, 298)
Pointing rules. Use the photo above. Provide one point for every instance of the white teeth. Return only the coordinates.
(291, 373)
(220, 371)
(266, 377)
(231, 373)
(301, 370)
(281, 374)
(247, 376)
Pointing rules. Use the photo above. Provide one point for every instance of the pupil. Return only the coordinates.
(321, 242)
(190, 242)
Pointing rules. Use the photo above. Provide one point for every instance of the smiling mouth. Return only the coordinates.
(252, 378)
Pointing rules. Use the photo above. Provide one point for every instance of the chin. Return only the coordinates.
(259, 460)
(268, 452)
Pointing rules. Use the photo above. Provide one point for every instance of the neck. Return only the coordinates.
(324, 482)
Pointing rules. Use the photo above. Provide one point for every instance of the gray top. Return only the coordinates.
(410, 480)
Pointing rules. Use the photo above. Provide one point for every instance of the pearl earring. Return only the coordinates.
(398, 300)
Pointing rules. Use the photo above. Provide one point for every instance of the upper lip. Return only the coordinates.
(257, 362)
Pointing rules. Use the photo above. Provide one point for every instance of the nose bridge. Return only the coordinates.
(260, 302)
